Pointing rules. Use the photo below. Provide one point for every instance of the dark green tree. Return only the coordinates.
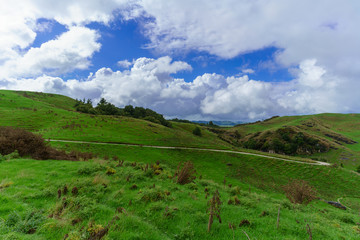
(197, 131)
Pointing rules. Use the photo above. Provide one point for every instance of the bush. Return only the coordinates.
(358, 169)
(186, 174)
(27, 224)
(197, 131)
(298, 191)
(16, 142)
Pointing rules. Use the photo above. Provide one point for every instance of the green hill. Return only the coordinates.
(327, 137)
(130, 192)
(54, 117)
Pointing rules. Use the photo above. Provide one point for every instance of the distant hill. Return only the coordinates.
(332, 137)
(221, 123)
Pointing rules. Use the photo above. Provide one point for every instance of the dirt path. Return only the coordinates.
(196, 149)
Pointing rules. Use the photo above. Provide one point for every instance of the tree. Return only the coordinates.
(197, 131)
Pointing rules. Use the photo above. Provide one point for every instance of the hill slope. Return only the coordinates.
(337, 136)
(250, 187)
(54, 117)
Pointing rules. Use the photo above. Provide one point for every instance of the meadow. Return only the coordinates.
(133, 192)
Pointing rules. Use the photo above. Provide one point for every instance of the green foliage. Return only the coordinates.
(110, 171)
(27, 224)
(286, 141)
(106, 108)
(358, 169)
(197, 131)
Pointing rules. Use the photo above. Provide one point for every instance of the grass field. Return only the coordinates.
(151, 206)
(133, 203)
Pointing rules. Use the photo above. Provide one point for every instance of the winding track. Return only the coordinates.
(197, 149)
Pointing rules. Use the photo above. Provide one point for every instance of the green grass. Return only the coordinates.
(54, 117)
(28, 188)
(264, 173)
(35, 184)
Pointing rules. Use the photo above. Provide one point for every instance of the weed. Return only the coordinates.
(133, 187)
(152, 195)
(186, 174)
(214, 208)
(74, 191)
(5, 184)
(27, 224)
(110, 171)
(234, 191)
(264, 213)
(298, 191)
(90, 170)
(244, 223)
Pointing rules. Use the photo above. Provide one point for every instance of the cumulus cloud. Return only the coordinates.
(317, 41)
(69, 51)
(211, 96)
(325, 30)
(124, 63)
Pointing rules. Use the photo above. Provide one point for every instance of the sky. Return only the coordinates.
(237, 60)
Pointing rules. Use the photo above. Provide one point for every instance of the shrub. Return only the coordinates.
(298, 191)
(197, 131)
(110, 171)
(90, 170)
(186, 174)
(152, 195)
(27, 224)
(29, 144)
(358, 169)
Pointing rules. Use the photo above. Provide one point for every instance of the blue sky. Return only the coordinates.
(123, 40)
(188, 59)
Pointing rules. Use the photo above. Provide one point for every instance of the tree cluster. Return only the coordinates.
(107, 108)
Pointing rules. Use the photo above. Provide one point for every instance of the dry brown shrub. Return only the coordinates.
(214, 207)
(299, 191)
(33, 145)
(186, 174)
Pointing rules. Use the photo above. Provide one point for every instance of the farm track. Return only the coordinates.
(196, 149)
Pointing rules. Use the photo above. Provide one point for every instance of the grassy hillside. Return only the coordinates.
(340, 132)
(54, 117)
(134, 203)
(139, 199)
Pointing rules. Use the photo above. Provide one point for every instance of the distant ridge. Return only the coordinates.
(221, 123)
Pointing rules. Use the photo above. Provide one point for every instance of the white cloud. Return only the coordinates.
(212, 96)
(69, 51)
(318, 42)
(248, 71)
(124, 63)
(325, 30)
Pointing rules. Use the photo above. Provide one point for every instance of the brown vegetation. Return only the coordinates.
(33, 145)
(214, 205)
(186, 174)
(298, 191)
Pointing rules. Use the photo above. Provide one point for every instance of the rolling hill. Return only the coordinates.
(130, 190)
(327, 137)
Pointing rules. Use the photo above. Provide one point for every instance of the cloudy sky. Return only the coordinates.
(204, 59)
